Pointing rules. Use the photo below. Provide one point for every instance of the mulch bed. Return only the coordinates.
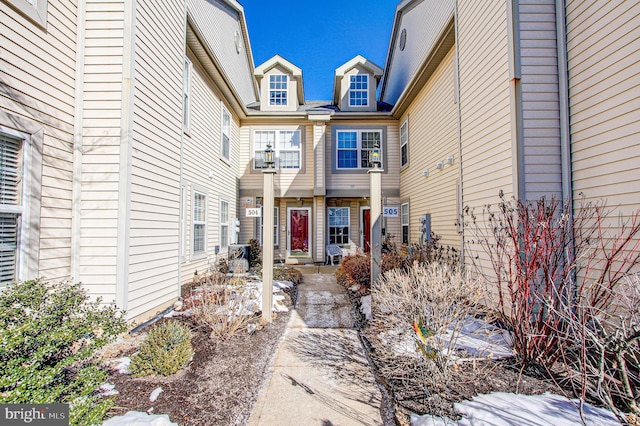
(218, 387)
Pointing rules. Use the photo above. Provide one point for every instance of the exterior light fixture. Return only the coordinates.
(374, 156)
(440, 165)
(268, 156)
(448, 160)
(425, 173)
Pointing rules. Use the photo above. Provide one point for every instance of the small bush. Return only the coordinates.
(225, 308)
(166, 349)
(355, 271)
(48, 335)
(287, 274)
(255, 253)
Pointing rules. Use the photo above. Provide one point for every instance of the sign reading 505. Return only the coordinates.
(390, 211)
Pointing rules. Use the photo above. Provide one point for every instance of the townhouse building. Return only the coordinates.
(132, 132)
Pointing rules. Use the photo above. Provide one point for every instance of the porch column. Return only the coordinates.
(375, 176)
(267, 245)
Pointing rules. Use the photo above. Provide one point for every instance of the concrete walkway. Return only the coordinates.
(320, 375)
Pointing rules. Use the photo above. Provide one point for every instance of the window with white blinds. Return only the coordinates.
(11, 175)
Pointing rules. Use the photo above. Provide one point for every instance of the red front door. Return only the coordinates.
(299, 243)
(366, 230)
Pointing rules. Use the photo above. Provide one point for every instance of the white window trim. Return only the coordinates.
(403, 223)
(277, 149)
(224, 225)
(225, 133)
(276, 222)
(365, 91)
(37, 13)
(348, 226)
(186, 93)
(359, 148)
(404, 125)
(285, 80)
(200, 253)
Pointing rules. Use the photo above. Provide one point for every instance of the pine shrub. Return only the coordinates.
(166, 350)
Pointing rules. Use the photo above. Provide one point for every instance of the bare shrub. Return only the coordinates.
(435, 299)
(355, 272)
(224, 307)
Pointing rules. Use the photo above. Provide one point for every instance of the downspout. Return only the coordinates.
(77, 144)
(563, 89)
(126, 150)
(460, 194)
(181, 200)
(515, 76)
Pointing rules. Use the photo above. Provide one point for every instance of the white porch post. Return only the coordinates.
(375, 176)
(267, 245)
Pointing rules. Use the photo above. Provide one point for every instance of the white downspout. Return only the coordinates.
(126, 152)
(78, 122)
(563, 89)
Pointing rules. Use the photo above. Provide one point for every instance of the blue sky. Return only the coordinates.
(319, 36)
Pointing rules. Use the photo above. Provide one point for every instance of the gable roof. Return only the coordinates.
(359, 60)
(295, 71)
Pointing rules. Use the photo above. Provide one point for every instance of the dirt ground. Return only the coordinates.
(218, 387)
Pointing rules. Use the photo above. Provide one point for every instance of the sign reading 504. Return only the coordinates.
(254, 212)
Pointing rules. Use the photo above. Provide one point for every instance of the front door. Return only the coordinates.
(365, 223)
(298, 224)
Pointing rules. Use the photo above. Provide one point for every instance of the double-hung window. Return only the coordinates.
(404, 218)
(404, 143)
(278, 89)
(186, 92)
(11, 205)
(354, 148)
(338, 225)
(226, 134)
(359, 90)
(287, 146)
(199, 222)
(224, 224)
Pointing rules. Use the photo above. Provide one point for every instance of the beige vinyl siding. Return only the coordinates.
(102, 109)
(433, 136)
(288, 182)
(155, 171)
(360, 181)
(423, 22)
(484, 102)
(37, 96)
(604, 102)
(540, 102)
(218, 23)
(205, 170)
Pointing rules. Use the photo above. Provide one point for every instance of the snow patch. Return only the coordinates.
(508, 409)
(155, 394)
(137, 418)
(121, 365)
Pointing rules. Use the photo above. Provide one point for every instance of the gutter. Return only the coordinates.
(126, 150)
(515, 83)
(563, 89)
(77, 144)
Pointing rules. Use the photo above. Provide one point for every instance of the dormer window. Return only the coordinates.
(278, 89)
(359, 90)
